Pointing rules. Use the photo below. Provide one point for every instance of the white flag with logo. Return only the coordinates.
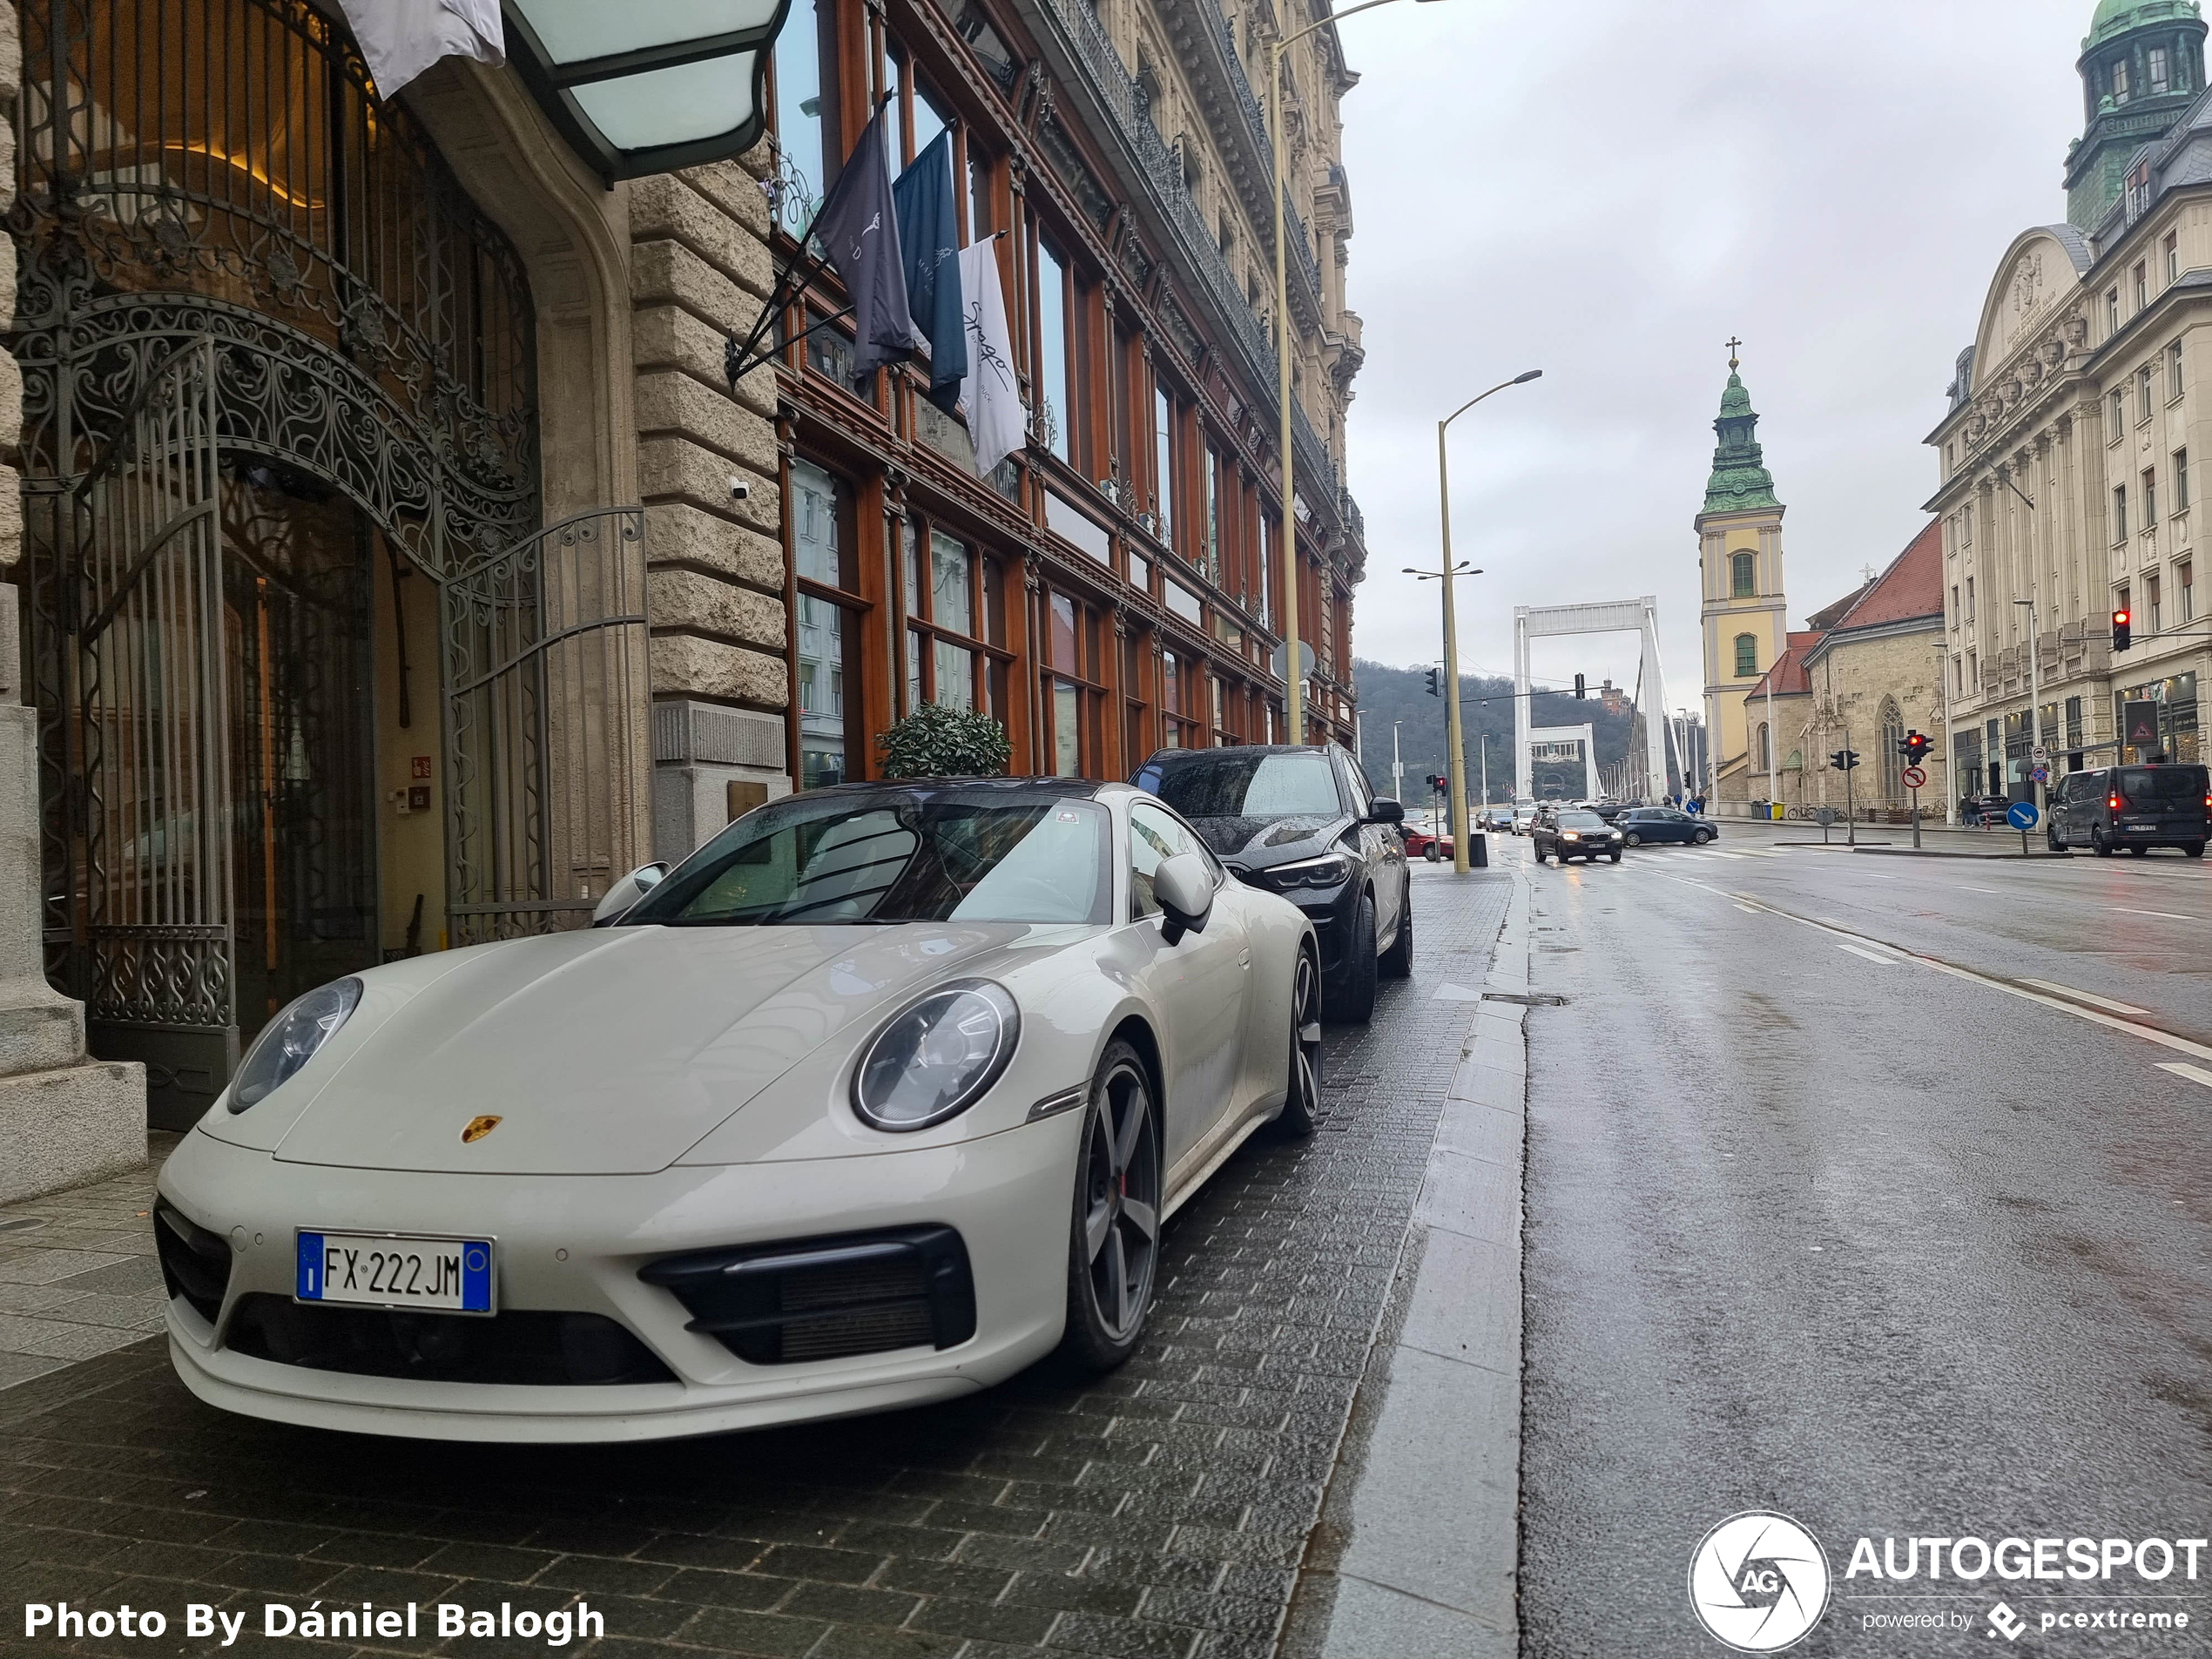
(401, 38)
(991, 394)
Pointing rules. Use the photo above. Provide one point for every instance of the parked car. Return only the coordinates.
(818, 1107)
(1610, 811)
(1638, 824)
(1301, 821)
(1572, 833)
(2137, 807)
(1524, 816)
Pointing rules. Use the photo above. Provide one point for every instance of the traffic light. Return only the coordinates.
(2121, 626)
(1435, 682)
(1443, 783)
(1431, 783)
(1843, 759)
(1578, 686)
(1915, 747)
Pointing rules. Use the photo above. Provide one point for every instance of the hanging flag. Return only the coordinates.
(929, 238)
(996, 420)
(401, 38)
(857, 227)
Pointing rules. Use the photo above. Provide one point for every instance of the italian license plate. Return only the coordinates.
(396, 1271)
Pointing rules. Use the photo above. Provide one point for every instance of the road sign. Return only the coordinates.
(2040, 755)
(1915, 777)
(2040, 774)
(2021, 815)
(1824, 815)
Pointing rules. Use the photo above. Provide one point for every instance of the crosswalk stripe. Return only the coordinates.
(2195, 1073)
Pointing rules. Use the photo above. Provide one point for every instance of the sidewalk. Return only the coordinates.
(78, 1277)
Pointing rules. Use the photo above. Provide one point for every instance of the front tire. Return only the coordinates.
(2052, 837)
(1632, 840)
(1398, 961)
(1698, 838)
(2102, 847)
(1114, 1242)
(1302, 1101)
(1614, 856)
(1354, 1000)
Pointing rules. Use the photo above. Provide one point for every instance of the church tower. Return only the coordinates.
(1739, 562)
(2141, 65)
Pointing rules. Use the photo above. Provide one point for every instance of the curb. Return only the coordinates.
(1928, 852)
(1417, 1548)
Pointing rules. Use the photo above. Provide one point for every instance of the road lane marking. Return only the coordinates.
(1748, 910)
(2168, 915)
(2195, 1073)
(1974, 889)
(2090, 996)
(2147, 1033)
(1871, 956)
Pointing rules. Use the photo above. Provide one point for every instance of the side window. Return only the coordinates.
(1363, 798)
(1153, 836)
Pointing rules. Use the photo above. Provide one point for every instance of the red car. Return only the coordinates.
(1418, 843)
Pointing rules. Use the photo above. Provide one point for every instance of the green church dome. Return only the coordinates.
(2118, 16)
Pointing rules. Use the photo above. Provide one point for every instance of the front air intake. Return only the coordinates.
(827, 1298)
(195, 1263)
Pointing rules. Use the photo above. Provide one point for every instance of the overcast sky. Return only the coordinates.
(1608, 190)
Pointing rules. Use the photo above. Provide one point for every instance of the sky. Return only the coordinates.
(1609, 190)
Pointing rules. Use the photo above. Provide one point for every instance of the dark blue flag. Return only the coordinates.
(929, 238)
(857, 227)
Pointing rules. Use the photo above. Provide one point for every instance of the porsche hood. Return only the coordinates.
(607, 1052)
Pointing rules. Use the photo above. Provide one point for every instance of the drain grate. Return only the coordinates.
(1528, 1000)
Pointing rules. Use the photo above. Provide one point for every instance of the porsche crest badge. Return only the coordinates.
(478, 1128)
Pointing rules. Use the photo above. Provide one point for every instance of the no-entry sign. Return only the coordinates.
(1916, 777)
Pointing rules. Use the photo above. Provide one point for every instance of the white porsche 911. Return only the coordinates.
(882, 1095)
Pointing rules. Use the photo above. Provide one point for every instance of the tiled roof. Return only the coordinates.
(1911, 588)
(1788, 672)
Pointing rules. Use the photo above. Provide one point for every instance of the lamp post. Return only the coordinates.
(2034, 704)
(1451, 620)
(1949, 752)
(1293, 683)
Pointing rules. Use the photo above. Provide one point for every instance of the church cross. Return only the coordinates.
(1732, 345)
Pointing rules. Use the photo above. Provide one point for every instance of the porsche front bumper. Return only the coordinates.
(576, 1244)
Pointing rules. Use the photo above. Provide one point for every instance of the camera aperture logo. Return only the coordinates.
(1758, 1581)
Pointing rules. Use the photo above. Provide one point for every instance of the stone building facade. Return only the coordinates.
(1741, 588)
(2077, 423)
(399, 564)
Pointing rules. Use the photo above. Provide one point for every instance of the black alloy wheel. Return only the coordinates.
(2193, 850)
(1114, 1250)
(1398, 961)
(2138, 850)
(1353, 997)
(2099, 845)
(2051, 836)
(1615, 855)
(1302, 1101)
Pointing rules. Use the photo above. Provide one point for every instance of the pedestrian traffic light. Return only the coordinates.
(1915, 747)
(1435, 682)
(2121, 626)
(1443, 783)
(1431, 783)
(1578, 686)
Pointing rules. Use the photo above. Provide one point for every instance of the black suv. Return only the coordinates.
(1302, 821)
(2137, 807)
(1575, 833)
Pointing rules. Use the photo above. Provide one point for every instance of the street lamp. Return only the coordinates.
(1451, 626)
(1294, 684)
(2034, 703)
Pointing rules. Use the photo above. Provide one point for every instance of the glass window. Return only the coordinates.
(1747, 654)
(1052, 346)
(2143, 285)
(1163, 464)
(952, 597)
(2184, 580)
(2150, 496)
(1741, 576)
(825, 642)
(799, 111)
(2120, 80)
(1212, 562)
(1182, 601)
(2119, 512)
(2159, 79)
(955, 676)
(896, 855)
(2174, 371)
(2112, 311)
(1154, 837)
(1067, 717)
(1062, 639)
(2142, 393)
(2173, 256)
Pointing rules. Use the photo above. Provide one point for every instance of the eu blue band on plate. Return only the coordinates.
(475, 1275)
(309, 1288)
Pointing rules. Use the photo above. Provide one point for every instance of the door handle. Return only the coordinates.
(1243, 959)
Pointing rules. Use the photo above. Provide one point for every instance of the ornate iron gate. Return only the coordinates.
(151, 732)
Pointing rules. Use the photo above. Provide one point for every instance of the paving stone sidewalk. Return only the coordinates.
(1160, 1511)
(78, 1274)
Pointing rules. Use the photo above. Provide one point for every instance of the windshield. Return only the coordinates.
(2162, 783)
(895, 856)
(1249, 786)
(1580, 821)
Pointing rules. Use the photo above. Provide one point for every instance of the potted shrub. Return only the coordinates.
(938, 742)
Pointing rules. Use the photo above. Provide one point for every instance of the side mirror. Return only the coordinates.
(1184, 888)
(1385, 811)
(626, 892)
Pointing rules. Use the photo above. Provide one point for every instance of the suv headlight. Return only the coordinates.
(936, 1056)
(292, 1039)
(1324, 871)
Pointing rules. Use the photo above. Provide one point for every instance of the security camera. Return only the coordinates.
(739, 490)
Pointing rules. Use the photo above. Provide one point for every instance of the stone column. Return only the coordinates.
(63, 1119)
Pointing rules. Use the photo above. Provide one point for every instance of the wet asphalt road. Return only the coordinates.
(1817, 1227)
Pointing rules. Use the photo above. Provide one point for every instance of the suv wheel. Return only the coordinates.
(2052, 836)
(2193, 849)
(1354, 998)
(1398, 961)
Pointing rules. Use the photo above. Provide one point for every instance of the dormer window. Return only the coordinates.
(2120, 80)
(2160, 80)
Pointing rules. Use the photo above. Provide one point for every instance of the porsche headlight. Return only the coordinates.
(937, 1055)
(291, 1040)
